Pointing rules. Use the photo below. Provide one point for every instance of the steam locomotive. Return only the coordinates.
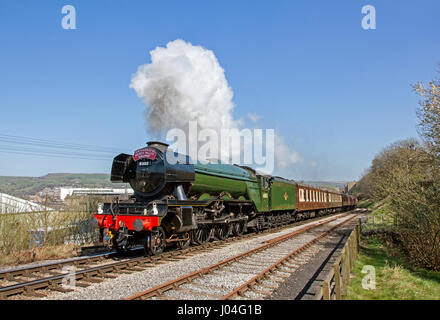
(179, 202)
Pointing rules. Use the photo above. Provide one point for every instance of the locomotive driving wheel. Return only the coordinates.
(223, 230)
(202, 234)
(238, 228)
(155, 242)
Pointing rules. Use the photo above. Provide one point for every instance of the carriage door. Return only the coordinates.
(265, 193)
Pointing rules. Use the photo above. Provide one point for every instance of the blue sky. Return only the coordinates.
(338, 94)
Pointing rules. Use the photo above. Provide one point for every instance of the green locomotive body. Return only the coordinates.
(234, 182)
(215, 179)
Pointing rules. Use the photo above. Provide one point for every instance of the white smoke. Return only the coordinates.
(186, 83)
(283, 155)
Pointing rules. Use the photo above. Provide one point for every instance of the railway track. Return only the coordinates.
(269, 264)
(30, 281)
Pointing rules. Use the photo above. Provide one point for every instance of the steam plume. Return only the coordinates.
(186, 83)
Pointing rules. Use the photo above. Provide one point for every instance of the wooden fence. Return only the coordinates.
(374, 224)
(335, 284)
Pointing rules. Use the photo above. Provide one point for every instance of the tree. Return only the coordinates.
(406, 176)
(428, 113)
(403, 175)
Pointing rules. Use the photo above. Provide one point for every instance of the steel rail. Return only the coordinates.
(170, 285)
(239, 291)
(9, 274)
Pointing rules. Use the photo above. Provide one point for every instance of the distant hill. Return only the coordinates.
(26, 186)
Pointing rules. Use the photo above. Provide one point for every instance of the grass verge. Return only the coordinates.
(395, 278)
(39, 254)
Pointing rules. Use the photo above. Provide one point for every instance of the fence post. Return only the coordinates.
(351, 253)
(347, 262)
(337, 282)
(325, 290)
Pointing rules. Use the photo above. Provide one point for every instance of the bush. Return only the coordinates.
(70, 226)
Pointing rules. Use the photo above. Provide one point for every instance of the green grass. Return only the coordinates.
(367, 203)
(395, 278)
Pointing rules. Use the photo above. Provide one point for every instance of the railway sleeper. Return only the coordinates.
(268, 286)
(198, 293)
(82, 284)
(29, 291)
(262, 292)
(92, 279)
(59, 288)
(124, 271)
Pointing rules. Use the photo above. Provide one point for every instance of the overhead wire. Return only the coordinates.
(11, 144)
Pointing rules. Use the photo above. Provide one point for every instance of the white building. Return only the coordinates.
(10, 204)
(71, 191)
